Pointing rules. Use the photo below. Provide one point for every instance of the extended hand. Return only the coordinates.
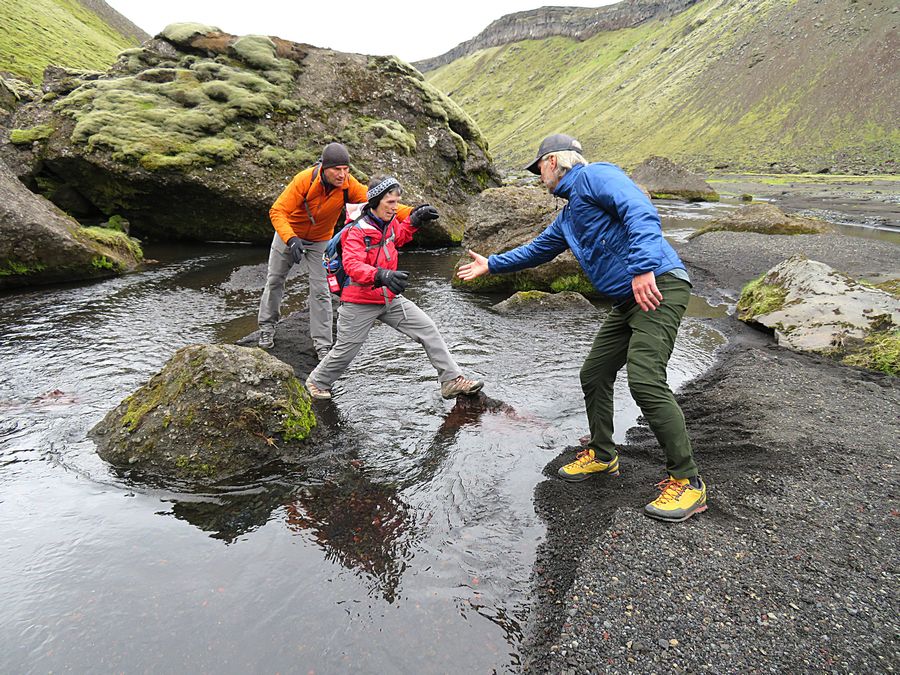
(646, 294)
(422, 214)
(396, 281)
(476, 268)
(296, 247)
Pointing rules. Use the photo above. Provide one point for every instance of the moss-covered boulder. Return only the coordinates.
(40, 245)
(501, 219)
(813, 308)
(764, 219)
(195, 133)
(664, 179)
(529, 302)
(212, 412)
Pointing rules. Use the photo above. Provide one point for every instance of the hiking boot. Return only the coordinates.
(315, 391)
(266, 337)
(453, 388)
(585, 466)
(678, 500)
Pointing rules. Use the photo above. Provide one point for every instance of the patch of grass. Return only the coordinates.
(62, 32)
(576, 282)
(881, 352)
(117, 241)
(15, 268)
(758, 298)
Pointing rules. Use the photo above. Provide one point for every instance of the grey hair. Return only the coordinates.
(565, 160)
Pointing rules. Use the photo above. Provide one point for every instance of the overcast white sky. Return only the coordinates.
(411, 30)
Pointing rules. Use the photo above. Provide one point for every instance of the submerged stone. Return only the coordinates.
(538, 301)
(213, 411)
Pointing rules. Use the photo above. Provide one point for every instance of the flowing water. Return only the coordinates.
(417, 562)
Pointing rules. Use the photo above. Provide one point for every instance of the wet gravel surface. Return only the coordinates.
(794, 566)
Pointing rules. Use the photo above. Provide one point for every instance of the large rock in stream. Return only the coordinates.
(664, 179)
(500, 219)
(814, 308)
(213, 412)
(764, 219)
(194, 134)
(39, 244)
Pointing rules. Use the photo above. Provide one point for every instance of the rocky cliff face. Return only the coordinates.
(574, 22)
(194, 134)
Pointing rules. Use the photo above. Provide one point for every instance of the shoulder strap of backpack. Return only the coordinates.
(306, 196)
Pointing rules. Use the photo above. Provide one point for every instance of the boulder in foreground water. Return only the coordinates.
(764, 219)
(814, 308)
(529, 302)
(213, 411)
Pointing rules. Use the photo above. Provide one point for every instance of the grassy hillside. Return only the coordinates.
(36, 33)
(760, 84)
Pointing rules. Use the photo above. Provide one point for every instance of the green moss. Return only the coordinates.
(759, 298)
(117, 241)
(892, 286)
(118, 223)
(257, 51)
(688, 195)
(299, 419)
(16, 268)
(103, 263)
(746, 197)
(576, 282)
(29, 136)
(182, 33)
(881, 352)
(38, 33)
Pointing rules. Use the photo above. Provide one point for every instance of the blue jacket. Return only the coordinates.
(610, 225)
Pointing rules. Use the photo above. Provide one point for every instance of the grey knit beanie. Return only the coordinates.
(335, 154)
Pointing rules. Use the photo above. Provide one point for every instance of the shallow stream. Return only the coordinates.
(417, 562)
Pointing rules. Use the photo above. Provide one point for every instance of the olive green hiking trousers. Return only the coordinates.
(642, 342)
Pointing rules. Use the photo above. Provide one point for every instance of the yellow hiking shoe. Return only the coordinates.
(678, 500)
(586, 466)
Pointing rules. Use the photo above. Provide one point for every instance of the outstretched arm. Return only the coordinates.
(474, 269)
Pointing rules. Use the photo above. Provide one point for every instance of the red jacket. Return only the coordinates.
(361, 264)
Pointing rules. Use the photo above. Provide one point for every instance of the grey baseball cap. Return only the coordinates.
(554, 143)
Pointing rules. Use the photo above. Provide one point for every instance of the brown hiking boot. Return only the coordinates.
(454, 388)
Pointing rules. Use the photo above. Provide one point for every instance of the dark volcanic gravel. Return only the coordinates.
(794, 567)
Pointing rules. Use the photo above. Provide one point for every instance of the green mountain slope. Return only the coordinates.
(748, 85)
(68, 33)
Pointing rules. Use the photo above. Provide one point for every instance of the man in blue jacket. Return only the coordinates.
(615, 234)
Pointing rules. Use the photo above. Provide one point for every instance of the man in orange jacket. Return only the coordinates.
(304, 217)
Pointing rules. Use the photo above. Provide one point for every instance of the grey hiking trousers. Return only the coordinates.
(356, 320)
(319, 300)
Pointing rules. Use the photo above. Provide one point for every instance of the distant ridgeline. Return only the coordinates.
(579, 23)
(749, 85)
(82, 34)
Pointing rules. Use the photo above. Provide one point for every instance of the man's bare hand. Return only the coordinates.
(474, 269)
(646, 294)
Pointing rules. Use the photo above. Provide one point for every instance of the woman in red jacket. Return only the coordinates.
(374, 293)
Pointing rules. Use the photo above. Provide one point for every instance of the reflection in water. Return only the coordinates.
(414, 525)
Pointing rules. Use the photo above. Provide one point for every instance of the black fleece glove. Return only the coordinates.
(423, 214)
(395, 281)
(296, 247)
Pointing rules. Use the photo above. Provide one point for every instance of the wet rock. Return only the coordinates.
(501, 219)
(664, 179)
(194, 134)
(813, 308)
(39, 244)
(213, 411)
(538, 301)
(764, 219)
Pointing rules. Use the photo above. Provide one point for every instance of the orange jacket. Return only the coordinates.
(289, 215)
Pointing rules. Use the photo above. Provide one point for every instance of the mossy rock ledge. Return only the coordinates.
(194, 134)
(531, 302)
(664, 179)
(39, 244)
(500, 219)
(813, 308)
(764, 219)
(214, 411)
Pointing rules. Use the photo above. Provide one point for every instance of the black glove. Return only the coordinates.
(296, 247)
(395, 281)
(423, 214)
